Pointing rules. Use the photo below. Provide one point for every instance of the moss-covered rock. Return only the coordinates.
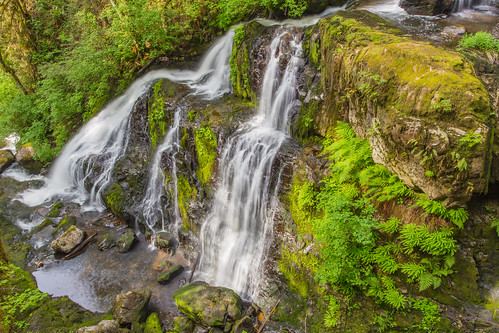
(47, 222)
(131, 306)
(64, 225)
(115, 200)
(153, 325)
(170, 274)
(182, 325)
(127, 240)
(6, 159)
(207, 305)
(106, 242)
(68, 241)
(206, 148)
(243, 325)
(425, 113)
(26, 158)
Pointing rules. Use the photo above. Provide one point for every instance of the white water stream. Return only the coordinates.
(103, 140)
(235, 234)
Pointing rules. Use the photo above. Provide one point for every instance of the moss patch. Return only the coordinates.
(115, 199)
(156, 114)
(206, 148)
(185, 194)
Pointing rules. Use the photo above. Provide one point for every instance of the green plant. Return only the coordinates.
(471, 139)
(383, 322)
(331, 317)
(442, 105)
(479, 41)
(430, 313)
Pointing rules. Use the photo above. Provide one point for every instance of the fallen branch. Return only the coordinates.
(74, 253)
(268, 317)
(194, 268)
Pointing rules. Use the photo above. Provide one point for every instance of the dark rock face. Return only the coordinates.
(207, 305)
(427, 7)
(131, 306)
(6, 159)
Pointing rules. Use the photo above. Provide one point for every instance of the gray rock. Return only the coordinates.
(131, 306)
(170, 274)
(105, 242)
(427, 7)
(105, 326)
(207, 305)
(68, 241)
(127, 241)
(243, 325)
(165, 241)
(26, 158)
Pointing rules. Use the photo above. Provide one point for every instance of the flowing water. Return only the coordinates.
(235, 233)
(152, 205)
(103, 140)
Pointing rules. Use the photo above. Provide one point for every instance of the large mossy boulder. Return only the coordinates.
(6, 159)
(426, 115)
(207, 305)
(68, 241)
(131, 306)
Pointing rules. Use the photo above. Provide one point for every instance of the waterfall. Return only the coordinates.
(235, 233)
(460, 5)
(103, 140)
(152, 208)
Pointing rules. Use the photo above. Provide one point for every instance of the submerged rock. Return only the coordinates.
(170, 274)
(127, 240)
(26, 158)
(106, 242)
(207, 305)
(68, 241)
(6, 159)
(131, 306)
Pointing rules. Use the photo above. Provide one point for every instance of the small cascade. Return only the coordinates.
(102, 141)
(235, 233)
(152, 205)
(460, 5)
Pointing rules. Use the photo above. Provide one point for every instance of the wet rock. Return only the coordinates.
(243, 325)
(127, 240)
(182, 324)
(131, 306)
(165, 241)
(65, 224)
(68, 241)
(105, 326)
(454, 31)
(25, 157)
(207, 305)
(216, 330)
(170, 274)
(6, 159)
(106, 242)
(153, 325)
(47, 222)
(426, 7)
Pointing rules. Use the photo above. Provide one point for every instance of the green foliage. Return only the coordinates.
(206, 147)
(430, 314)
(383, 322)
(471, 139)
(390, 226)
(481, 40)
(442, 105)
(156, 115)
(331, 317)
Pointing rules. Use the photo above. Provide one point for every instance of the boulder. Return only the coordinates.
(153, 325)
(245, 324)
(68, 241)
(127, 240)
(26, 158)
(6, 159)
(182, 324)
(427, 7)
(207, 305)
(165, 241)
(106, 242)
(105, 326)
(131, 306)
(170, 274)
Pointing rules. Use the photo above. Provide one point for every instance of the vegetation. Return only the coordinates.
(360, 251)
(482, 41)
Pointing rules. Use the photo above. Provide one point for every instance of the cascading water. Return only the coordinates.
(152, 207)
(103, 140)
(235, 233)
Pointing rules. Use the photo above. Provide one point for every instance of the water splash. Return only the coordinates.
(103, 140)
(152, 207)
(234, 235)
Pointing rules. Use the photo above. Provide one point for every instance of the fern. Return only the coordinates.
(390, 226)
(394, 298)
(457, 216)
(426, 280)
(331, 316)
(413, 270)
(439, 242)
(412, 236)
(383, 258)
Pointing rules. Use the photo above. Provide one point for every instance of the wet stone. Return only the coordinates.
(127, 241)
(106, 242)
(165, 241)
(170, 274)
(182, 324)
(153, 325)
(6, 159)
(105, 326)
(244, 325)
(131, 306)
(68, 241)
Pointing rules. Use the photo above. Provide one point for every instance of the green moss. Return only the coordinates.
(47, 222)
(185, 194)
(115, 199)
(156, 114)
(153, 325)
(3, 254)
(206, 148)
(64, 225)
(239, 63)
